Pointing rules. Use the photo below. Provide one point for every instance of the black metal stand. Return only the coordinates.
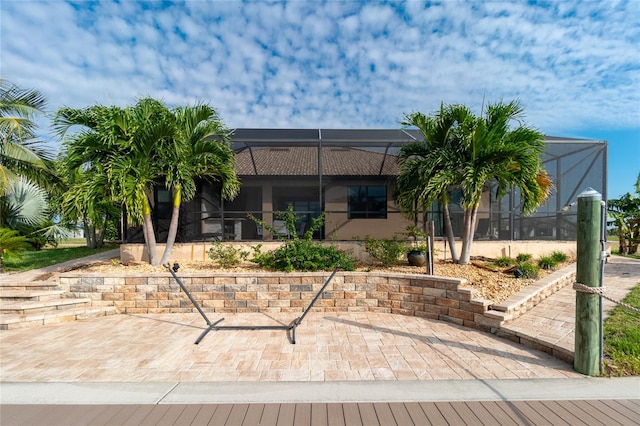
(290, 328)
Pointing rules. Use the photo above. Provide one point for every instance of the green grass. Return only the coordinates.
(50, 256)
(622, 338)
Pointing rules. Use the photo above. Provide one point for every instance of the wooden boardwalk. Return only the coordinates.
(564, 412)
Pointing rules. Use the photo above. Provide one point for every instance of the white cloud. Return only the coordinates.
(333, 64)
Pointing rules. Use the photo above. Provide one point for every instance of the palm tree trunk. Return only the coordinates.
(448, 229)
(173, 226)
(149, 235)
(470, 216)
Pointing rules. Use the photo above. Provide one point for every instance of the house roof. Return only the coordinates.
(294, 152)
(303, 161)
(345, 152)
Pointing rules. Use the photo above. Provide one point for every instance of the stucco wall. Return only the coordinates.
(492, 249)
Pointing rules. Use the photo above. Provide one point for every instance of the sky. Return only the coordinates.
(574, 66)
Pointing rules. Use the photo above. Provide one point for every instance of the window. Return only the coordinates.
(367, 202)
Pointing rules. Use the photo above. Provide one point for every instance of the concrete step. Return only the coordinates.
(26, 295)
(28, 285)
(31, 306)
(15, 321)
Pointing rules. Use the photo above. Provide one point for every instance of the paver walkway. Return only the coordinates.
(552, 322)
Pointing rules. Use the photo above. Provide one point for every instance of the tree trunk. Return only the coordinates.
(467, 234)
(173, 226)
(448, 229)
(149, 234)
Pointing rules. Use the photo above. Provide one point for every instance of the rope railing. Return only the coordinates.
(600, 291)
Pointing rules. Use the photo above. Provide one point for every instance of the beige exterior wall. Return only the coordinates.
(492, 249)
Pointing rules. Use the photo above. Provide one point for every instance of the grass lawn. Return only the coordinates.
(622, 338)
(50, 256)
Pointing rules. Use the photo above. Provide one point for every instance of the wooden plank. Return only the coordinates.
(621, 409)
(463, 410)
(94, 412)
(530, 413)
(501, 412)
(351, 414)
(591, 412)
(335, 414)
(485, 417)
(548, 414)
(286, 414)
(564, 411)
(237, 414)
(416, 413)
(449, 413)
(189, 413)
(121, 417)
(155, 415)
(22, 414)
(319, 414)
(510, 409)
(139, 414)
(204, 415)
(400, 414)
(221, 414)
(53, 415)
(302, 414)
(384, 413)
(171, 415)
(106, 415)
(270, 415)
(433, 414)
(368, 414)
(254, 414)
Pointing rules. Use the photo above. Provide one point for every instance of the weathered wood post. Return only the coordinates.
(587, 336)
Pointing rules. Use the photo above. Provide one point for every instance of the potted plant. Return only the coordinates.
(417, 252)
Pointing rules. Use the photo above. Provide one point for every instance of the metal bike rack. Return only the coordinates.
(290, 329)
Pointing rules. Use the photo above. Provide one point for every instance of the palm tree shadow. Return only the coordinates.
(434, 341)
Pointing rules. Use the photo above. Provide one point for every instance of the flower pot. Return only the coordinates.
(417, 258)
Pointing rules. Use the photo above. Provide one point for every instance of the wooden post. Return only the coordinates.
(587, 336)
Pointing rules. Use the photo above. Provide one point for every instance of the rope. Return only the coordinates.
(600, 291)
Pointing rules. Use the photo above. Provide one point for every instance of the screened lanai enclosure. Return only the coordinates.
(350, 175)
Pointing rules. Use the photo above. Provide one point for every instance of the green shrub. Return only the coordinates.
(547, 262)
(300, 254)
(226, 255)
(559, 256)
(503, 261)
(384, 250)
(304, 255)
(527, 270)
(523, 257)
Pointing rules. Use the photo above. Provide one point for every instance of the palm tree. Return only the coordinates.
(199, 148)
(20, 153)
(117, 149)
(429, 168)
(11, 243)
(125, 152)
(494, 152)
(461, 150)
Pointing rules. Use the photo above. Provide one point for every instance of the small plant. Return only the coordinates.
(527, 270)
(227, 255)
(503, 261)
(547, 262)
(384, 250)
(419, 237)
(523, 257)
(298, 254)
(559, 256)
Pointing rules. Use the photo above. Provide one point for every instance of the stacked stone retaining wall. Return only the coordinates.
(426, 296)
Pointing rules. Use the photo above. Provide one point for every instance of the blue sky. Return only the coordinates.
(575, 66)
